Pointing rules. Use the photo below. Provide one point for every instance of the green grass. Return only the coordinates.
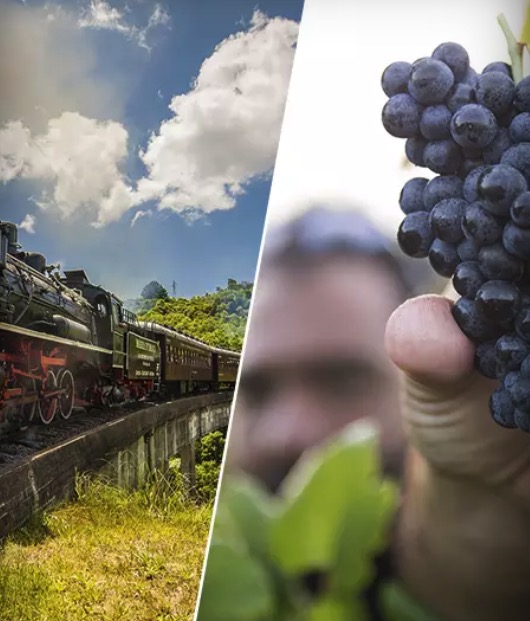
(112, 555)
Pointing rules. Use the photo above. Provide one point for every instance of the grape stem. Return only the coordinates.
(515, 49)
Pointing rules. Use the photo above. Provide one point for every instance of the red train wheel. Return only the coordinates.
(65, 380)
(48, 405)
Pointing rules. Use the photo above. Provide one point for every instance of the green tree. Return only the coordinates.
(208, 459)
(154, 291)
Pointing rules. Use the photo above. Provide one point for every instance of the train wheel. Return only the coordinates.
(48, 405)
(65, 379)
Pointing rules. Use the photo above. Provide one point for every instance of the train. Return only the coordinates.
(66, 342)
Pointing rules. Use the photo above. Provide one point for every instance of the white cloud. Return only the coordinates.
(77, 158)
(225, 130)
(28, 224)
(140, 214)
(159, 17)
(100, 15)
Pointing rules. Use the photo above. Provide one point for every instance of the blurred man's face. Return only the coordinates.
(315, 361)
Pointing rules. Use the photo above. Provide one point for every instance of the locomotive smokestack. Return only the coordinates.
(8, 241)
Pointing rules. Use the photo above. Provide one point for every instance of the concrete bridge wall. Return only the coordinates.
(126, 450)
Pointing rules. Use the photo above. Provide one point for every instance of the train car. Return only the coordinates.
(186, 363)
(226, 365)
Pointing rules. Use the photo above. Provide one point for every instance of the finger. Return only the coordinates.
(423, 339)
(446, 404)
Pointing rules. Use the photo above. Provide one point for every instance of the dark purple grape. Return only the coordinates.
(510, 351)
(498, 186)
(493, 153)
(499, 66)
(480, 225)
(468, 250)
(520, 128)
(401, 116)
(497, 264)
(498, 300)
(521, 419)
(414, 148)
(470, 189)
(469, 165)
(440, 187)
(518, 156)
(468, 279)
(521, 98)
(411, 197)
(525, 368)
(415, 235)
(461, 95)
(495, 90)
(520, 392)
(430, 81)
(502, 408)
(470, 78)
(395, 78)
(507, 379)
(517, 240)
(446, 219)
(506, 119)
(443, 258)
(473, 125)
(473, 325)
(435, 122)
(522, 323)
(520, 210)
(442, 157)
(485, 361)
(455, 57)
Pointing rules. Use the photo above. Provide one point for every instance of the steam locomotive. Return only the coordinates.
(66, 342)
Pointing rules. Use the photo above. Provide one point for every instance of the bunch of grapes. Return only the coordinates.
(472, 219)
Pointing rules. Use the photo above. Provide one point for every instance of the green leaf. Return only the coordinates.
(306, 536)
(398, 605)
(252, 510)
(236, 587)
(364, 533)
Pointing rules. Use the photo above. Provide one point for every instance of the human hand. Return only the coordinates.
(463, 538)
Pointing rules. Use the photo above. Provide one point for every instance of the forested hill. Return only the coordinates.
(217, 318)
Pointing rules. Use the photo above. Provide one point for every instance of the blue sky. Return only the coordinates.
(106, 176)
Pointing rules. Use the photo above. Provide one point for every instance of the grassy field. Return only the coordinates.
(111, 555)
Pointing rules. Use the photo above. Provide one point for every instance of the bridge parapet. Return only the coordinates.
(126, 450)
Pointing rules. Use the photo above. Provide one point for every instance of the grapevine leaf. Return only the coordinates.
(251, 509)
(236, 587)
(305, 536)
(364, 533)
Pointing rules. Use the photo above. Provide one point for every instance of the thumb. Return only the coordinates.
(446, 403)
